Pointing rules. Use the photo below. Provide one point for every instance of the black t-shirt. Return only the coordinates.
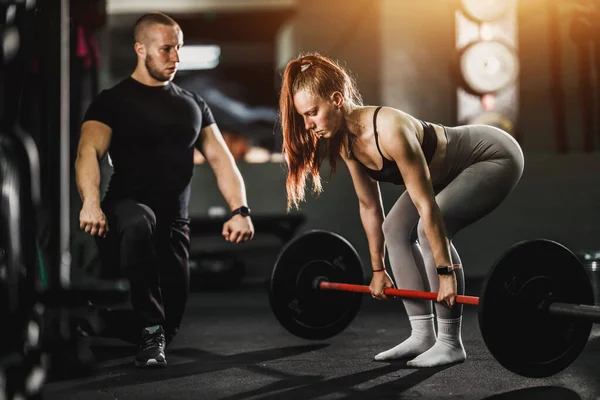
(152, 146)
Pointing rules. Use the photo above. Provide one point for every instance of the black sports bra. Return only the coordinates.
(389, 172)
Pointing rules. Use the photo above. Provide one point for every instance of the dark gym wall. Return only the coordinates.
(537, 115)
(349, 31)
(417, 53)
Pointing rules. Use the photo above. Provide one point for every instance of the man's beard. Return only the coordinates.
(155, 73)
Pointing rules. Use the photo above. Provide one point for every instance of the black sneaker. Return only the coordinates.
(151, 352)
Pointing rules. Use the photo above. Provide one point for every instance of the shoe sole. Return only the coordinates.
(152, 363)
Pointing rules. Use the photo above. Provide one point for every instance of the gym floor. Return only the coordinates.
(232, 347)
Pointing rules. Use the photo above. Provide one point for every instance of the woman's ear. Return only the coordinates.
(337, 99)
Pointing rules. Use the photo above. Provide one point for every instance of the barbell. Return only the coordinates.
(534, 311)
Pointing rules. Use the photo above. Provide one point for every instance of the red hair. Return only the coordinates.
(302, 150)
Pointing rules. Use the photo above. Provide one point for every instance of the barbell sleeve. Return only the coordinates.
(578, 311)
(346, 287)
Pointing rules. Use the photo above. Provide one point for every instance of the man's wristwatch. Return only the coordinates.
(447, 269)
(243, 211)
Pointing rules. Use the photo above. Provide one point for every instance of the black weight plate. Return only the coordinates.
(522, 337)
(298, 305)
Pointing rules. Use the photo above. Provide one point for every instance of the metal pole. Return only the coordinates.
(65, 255)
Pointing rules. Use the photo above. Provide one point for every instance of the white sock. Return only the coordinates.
(448, 349)
(422, 337)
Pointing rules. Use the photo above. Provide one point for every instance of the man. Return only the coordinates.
(150, 126)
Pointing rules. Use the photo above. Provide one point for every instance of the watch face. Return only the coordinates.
(244, 211)
(443, 270)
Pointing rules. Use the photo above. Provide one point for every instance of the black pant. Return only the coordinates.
(152, 251)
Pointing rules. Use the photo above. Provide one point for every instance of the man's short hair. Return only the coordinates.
(146, 20)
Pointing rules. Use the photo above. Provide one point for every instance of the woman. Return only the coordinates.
(453, 177)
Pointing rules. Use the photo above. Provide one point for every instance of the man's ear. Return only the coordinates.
(139, 49)
(337, 99)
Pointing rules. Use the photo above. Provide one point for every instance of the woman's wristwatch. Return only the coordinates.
(447, 269)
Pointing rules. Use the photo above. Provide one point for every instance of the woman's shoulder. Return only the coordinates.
(394, 120)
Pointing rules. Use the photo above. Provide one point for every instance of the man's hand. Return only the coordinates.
(238, 229)
(92, 220)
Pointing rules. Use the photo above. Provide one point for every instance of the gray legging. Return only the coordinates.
(482, 166)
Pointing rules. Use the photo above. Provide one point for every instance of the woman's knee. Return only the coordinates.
(398, 226)
(452, 227)
(388, 228)
(400, 220)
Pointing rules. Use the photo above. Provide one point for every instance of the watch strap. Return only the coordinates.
(243, 210)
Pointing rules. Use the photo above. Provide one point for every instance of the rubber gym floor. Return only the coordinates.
(231, 347)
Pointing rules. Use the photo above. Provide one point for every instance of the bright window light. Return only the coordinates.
(192, 57)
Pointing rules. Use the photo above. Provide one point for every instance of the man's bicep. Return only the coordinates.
(212, 144)
(95, 135)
